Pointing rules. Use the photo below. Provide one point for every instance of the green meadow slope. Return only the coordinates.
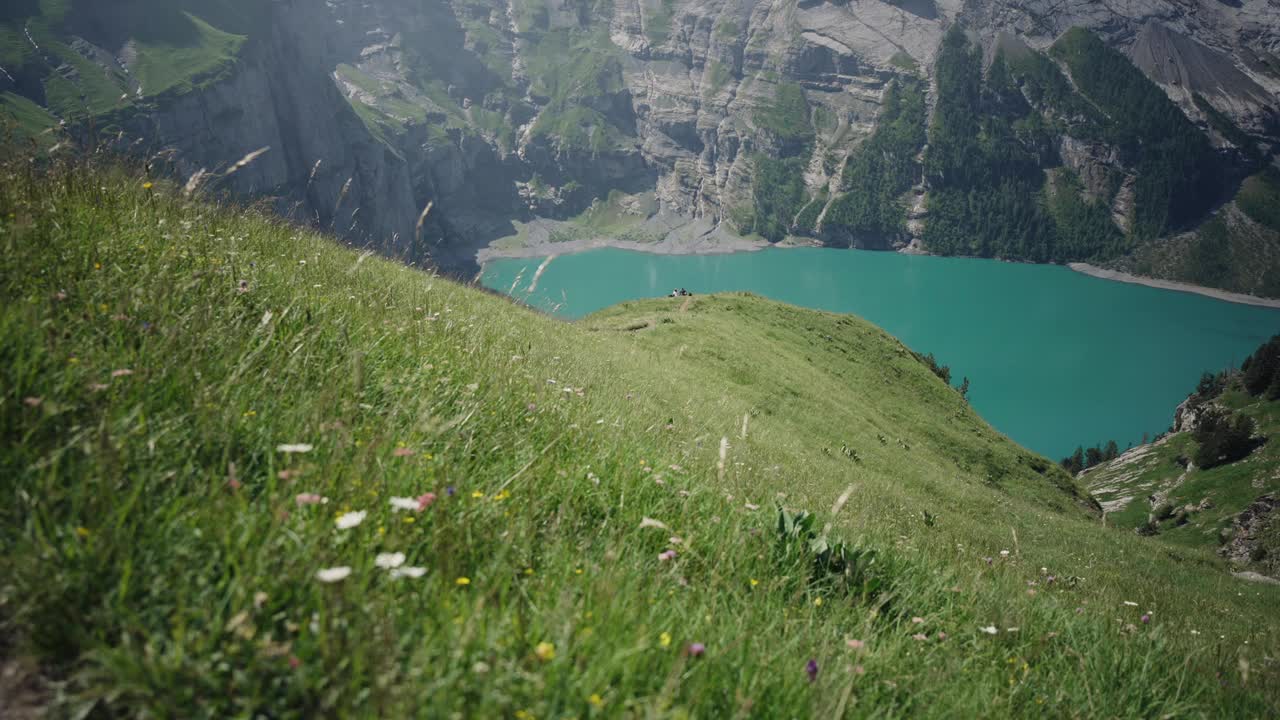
(593, 507)
(1150, 488)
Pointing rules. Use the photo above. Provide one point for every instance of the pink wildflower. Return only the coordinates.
(667, 555)
(403, 452)
(308, 499)
(425, 500)
(696, 649)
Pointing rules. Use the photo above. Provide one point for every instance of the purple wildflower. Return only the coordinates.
(696, 649)
(449, 490)
(811, 668)
(1146, 618)
(667, 555)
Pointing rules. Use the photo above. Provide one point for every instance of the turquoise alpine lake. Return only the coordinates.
(1055, 358)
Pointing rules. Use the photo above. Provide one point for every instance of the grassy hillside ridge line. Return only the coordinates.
(186, 385)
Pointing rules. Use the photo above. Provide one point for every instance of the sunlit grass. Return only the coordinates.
(221, 433)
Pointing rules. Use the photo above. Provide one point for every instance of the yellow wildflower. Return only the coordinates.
(665, 639)
(477, 494)
(596, 700)
(147, 185)
(82, 531)
(462, 581)
(754, 582)
(545, 651)
(817, 602)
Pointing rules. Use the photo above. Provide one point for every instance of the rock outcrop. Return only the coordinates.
(1246, 543)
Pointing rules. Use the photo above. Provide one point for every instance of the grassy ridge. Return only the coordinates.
(172, 47)
(158, 357)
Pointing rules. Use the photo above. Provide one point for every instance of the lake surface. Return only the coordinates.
(1056, 358)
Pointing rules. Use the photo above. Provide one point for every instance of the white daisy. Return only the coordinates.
(346, 521)
(389, 560)
(333, 574)
(404, 503)
(409, 572)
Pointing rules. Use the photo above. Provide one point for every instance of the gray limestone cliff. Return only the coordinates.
(499, 111)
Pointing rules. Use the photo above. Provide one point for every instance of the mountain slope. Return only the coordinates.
(183, 383)
(766, 117)
(1212, 481)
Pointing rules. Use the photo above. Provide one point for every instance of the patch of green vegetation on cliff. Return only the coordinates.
(787, 117)
(903, 61)
(567, 65)
(1046, 87)
(162, 67)
(657, 20)
(578, 128)
(29, 119)
(880, 171)
(1259, 198)
(778, 194)
(618, 212)
(1084, 226)
(530, 16)
(578, 73)
(231, 431)
(727, 30)
(359, 78)
(485, 42)
(1179, 176)
(718, 75)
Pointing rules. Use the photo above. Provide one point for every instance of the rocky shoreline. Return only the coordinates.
(1117, 276)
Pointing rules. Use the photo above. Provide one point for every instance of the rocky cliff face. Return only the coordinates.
(500, 110)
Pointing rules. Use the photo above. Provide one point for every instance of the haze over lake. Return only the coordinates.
(1056, 359)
